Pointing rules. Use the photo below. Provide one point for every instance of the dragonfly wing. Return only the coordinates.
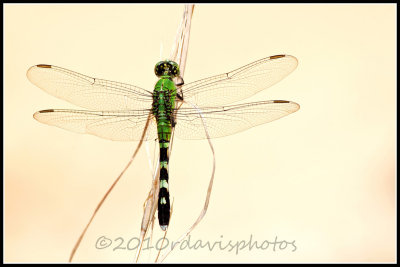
(227, 120)
(112, 125)
(241, 83)
(87, 92)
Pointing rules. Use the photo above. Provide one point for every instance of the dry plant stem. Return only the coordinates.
(108, 192)
(177, 40)
(183, 49)
(179, 55)
(203, 212)
(149, 211)
(184, 40)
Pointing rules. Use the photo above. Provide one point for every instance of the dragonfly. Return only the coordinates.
(123, 112)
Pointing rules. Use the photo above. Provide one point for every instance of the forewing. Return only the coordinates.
(87, 92)
(241, 83)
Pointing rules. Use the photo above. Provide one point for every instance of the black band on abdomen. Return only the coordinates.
(163, 154)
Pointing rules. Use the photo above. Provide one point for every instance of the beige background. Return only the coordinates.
(323, 177)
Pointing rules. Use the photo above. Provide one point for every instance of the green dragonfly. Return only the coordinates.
(123, 112)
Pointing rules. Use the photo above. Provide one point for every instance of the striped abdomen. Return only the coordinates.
(163, 103)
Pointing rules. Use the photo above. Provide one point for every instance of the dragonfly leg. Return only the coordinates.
(179, 96)
(173, 122)
(180, 81)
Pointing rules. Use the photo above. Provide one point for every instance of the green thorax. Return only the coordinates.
(163, 105)
(164, 98)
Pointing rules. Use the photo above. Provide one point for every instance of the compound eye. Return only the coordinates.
(159, 69)
(175, 70)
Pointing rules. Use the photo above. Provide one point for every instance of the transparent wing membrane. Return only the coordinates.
(120, 111)
(228, 120)
(112, 125)
(87, 92)
(241, 83)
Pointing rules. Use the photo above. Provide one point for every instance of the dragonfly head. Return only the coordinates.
(166, 68)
